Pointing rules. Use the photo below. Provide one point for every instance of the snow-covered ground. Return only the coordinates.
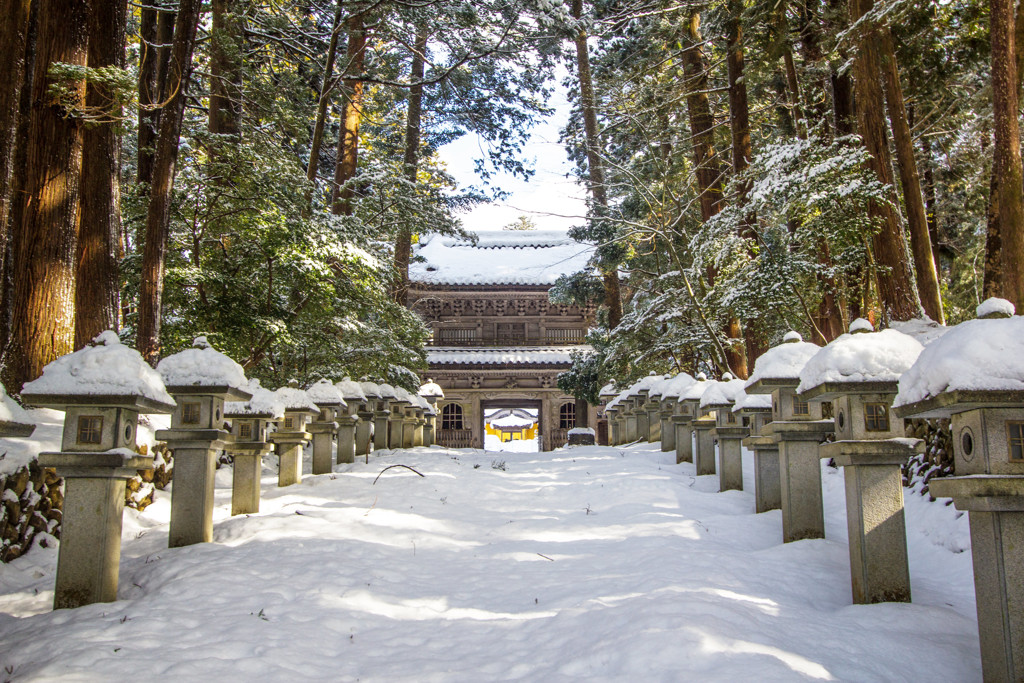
(495, 444)
(583, 564)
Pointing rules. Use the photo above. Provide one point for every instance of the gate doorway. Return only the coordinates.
(512, 425)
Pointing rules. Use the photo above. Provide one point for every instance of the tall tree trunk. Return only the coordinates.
(910, 181)
(97, 296)
(44, 250)
(158, 218)
(321, 109)
(595, 165)
(1007, 156)
(226, 50)
(403, 241)
(149, 93)
(351, 118)
(897, 292)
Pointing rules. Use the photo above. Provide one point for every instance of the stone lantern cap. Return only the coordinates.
(858, 363)
(296, 400)
(642, 388)
(104, 373)
(977, 364)
(370, 389)
(431, 390)
(263, 404)
(14, 421)
(387, 392)
(749, 404)
(696, 390)
(325, 395)
(206, 371)
(608, 392)
(676, 386)
(402, 396)
(350, 390)
(721, 394)
(779, 367)
(657, 389)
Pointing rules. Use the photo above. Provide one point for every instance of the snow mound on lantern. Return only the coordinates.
(431, 389)
(784, 361)
(107, 367)
(263, 402)
(11, 411)
(677, 385)
(867, 357)
(296, 399)
(324, 391)
(697, 389)
(995, 305)
(202, 366)
(753, 402)
(975, 355)
(352, 391)
(722, 393)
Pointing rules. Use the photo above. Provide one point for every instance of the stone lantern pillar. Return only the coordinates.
(200, 379)
(687, 408)
(797, 427)
(756, 411)
(390, 436)
(102, 388)
(332, 405)
(250, 427)
(611, 412)
(349, 421)
(365, 430)
(643, 424)
(858, 373)
(653, 408)
(291, 435)
(963, 376)
(628, 417)
(728, 430)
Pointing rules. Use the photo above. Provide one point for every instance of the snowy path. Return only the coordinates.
(590, 563)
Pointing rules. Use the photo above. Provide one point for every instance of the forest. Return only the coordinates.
(258, 172)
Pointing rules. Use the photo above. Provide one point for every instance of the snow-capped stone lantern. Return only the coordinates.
(704, 443)
(797, 427)
(728, 430)
(409, 409)
(686, 411)
(756, 412)
(612, 412)
(667, 407)
(653, 407)
(331, 403)
(604, 396)
(250, 429)
(348, 422)
(366, 430)
(627, 415)
(422, 409)
(858, 373)
(384, 418)
(640, 393)
(102, 388)
(398, 401)
(291, 435)
(974, 375)
(14, 421)
(432, 393)
(200, 379)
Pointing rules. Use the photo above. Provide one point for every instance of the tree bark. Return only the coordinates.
(1007, 156)
(156, 31)
(321, 110)
(97, 296)
(910, 181)
(351, 118)
(44, 250)
(897, 292)
(226, 49)
(595, 165)
(159, 215)
(403, 241)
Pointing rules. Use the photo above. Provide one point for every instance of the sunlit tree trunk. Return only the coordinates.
(326, 88)
(351, 118)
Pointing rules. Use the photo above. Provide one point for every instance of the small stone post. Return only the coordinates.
(291, 435)
(332, 406)
(250, 422)
(98, 455)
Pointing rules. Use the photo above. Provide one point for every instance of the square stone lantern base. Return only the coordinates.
(683, 427)
(668, 431)
(90, 545)
(704, 455)
(364, 432)
(195, 466)
(347, 425)
(995, 504)
(380, 429)
(323, 432)
(289, 447)
(245, 477)
(879, 571)
(767, 485)
(800, 476)
(730, 456)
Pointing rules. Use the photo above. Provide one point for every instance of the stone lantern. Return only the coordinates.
(611, 412)
(200, 379)
(974, 375)
(366, 430)
(14, 421)
(639, 393)
(627, 415)
(667, 407)
(797, 427)
(858, 374)
(686, 412)
(422, 408)
(398, 403)
(102, 388)
(291, 435)
(348, 423)
(390, 436)
(756, 411)
(702, 423)
(604, 396)
(430, 428)
(431, 393)
(329, 400)
(728, 430)
(653, 407)
(250, 429)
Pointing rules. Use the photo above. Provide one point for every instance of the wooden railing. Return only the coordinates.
(455, 438)
(559, 437)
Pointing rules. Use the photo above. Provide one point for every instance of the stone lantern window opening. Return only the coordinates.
(800, 406)
(876, 417)
(289, 423)
(967, 443)
(841, 420)
(567, 416)
(1015, 440)
(90, 429)
(129, 433)
(730, 417)
(245, 430)
(191, 412)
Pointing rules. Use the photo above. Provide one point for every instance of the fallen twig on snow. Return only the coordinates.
(390, 466)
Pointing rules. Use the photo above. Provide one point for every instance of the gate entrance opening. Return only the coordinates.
(512, 426)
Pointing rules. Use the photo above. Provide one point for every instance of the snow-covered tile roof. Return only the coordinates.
(544, 355)
(507, 257)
